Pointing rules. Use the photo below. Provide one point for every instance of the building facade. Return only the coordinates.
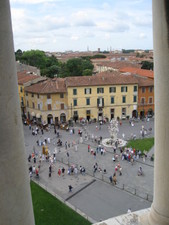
(104, 96)
(25, 79)
(145, 97)
(47, 101)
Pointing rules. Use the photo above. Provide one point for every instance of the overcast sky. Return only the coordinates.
(60, 25)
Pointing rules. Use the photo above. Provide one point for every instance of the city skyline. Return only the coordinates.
(61, 25)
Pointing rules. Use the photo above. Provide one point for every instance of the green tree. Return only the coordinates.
(18, 54)
(35, 58)
(86, 64)
(147, 65)
(98, 56)
(49, 65)
(51, 71)
(87, 72)
(74, 67)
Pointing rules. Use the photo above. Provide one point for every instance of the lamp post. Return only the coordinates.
(71, 115)
(71, 110)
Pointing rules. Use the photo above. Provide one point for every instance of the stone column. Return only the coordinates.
(15, 197)
(159, 213)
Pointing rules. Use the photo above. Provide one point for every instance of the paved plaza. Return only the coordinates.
(94, 195)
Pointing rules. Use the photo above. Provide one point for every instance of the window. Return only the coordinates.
(142, 100)
(112, 100)
(143, 89)
(39, 106)
(61, 95)
(134, 98)
(150, 89)
(124, 89)
(49, 107)
(37, 95)
(87, 91)
(135, 88)
(27, 104)
(32, 95)
(112, 89)
(26, 93)
(62, 106)
(74, 91)
(100, 90)
(48, 96)
(33, 105)
(87, 101)
(150, 100)
(74, 102)
(123, 99)
(21, 89)
(100, 102)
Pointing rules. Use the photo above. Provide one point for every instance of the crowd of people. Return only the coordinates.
(119, 154)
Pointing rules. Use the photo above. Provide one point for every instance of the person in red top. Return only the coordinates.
(59, 172)
(37, 172)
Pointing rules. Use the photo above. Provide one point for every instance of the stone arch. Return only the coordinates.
(50, 118)
(62, 117)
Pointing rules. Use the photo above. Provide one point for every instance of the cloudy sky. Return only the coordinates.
(61, 25)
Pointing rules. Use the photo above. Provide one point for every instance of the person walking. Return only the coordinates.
(59, 172)
(70, 188)
(120, 171)
(75, 171)
(50, 170)
(114, 179)
(63, 171)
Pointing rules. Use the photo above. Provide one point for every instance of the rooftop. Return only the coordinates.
(141, 72)
(104, 78)
(55, 85)
(25, 76)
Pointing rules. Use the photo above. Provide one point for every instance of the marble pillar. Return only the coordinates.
(159, 213)
(15, 197)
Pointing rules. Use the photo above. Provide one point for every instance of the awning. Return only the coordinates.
(38, 115)
(32, 114)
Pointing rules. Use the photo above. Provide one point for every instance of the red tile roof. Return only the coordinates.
(120, 64)
(60, 85)
(24, 77)
(144, 81)
(104, 78)
(55, 85)
(141, 72)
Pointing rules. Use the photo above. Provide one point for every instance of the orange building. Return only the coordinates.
(145, 97)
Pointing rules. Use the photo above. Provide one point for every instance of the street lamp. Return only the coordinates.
(71, 111)
(71, 119)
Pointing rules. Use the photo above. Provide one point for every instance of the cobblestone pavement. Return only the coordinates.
(129, 181)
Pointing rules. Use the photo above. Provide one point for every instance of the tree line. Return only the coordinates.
(50, 66)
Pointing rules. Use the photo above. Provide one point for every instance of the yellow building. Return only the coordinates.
(25, 79)
(47, 101)
(106, 95)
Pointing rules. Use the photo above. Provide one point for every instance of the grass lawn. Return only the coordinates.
(50, 211)
(141, 144)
